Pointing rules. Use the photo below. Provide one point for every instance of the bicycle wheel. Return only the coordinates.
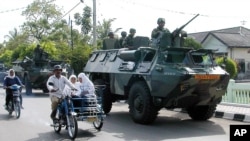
(17, 109)
(72, 126)
(98, 123)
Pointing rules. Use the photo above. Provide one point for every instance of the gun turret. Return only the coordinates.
(178, 34)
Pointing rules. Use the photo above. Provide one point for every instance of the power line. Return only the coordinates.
(12, 10)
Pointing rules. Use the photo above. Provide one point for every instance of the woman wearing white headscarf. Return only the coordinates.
(67, 90)
(86, 86)
(9, 80)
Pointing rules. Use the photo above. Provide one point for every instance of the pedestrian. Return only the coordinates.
(9, 80)
(123, 36)
(129, 40)
(111, 42)
(56, 84)
(158, 32)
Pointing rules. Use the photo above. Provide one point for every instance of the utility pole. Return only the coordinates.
(94, 23)
(71, 34)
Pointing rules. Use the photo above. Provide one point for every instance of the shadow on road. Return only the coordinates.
(163, 128)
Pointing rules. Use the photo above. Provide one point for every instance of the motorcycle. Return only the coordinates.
(66, 117)
(14, 104)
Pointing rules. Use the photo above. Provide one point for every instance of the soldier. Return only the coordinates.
(124, 35)
(129, 40)
(111, 42)
(158, 32)
(38, 52)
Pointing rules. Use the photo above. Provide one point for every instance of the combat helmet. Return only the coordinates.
(160, 20)
(110, 34)
(124, 33)
(132, 30)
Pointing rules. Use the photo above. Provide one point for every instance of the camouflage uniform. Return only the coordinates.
(111, 42)
(124, 35)
(158, 32)
(129, 40)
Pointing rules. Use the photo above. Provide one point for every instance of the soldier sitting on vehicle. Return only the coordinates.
(129, 40)
(124, 35)
(111, 42)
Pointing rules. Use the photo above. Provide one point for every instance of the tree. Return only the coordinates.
(84, 21)
(190, 42)
(41, 16)
(104, 28)
(12, 34)
(230, 65)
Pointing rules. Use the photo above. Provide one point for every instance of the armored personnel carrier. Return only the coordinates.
(35, 73)
(164, 76)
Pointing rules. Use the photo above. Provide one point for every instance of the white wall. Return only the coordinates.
(213, 43)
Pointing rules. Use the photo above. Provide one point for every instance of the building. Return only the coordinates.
(232, 42)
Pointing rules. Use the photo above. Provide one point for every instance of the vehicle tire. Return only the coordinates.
(57, 126)
(140, 103)
(98, 123)
(201, 112)
(72, 126)
(10, 110)
(106, 97)
(17, 109)
(27, 84)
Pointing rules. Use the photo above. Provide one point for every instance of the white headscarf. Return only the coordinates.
(67, 90)
(86, 84)
(13, 76)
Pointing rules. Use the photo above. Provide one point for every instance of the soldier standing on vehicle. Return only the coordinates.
(158, 32)
(111, 42)
(124, 35)
(56, 84)
(38, 52)
(129, 40)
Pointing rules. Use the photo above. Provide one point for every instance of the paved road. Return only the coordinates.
(34, 125)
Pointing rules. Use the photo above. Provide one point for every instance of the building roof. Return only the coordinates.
(231, 37)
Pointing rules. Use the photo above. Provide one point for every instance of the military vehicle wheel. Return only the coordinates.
(106, 97)
(27, 84)
(141, 107)
(201, 112)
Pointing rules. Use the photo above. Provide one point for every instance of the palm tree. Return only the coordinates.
(12, 34)
(105, 27)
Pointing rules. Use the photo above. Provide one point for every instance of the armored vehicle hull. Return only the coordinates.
(165, 75)
(151, 79)
(34, 74)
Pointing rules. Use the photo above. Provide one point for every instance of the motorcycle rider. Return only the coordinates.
(56, 84)
(9, 80)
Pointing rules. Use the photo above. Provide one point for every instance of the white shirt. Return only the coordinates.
(58, 83)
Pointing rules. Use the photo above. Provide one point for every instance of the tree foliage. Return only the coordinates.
(230, 66)
(190, 42)
(41, 16)
(84, 21)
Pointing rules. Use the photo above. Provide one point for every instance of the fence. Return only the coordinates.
(238, 93)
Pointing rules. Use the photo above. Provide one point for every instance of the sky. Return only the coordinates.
(143, 14)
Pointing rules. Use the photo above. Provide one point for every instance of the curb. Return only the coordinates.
(232, 116)
(224, 115)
